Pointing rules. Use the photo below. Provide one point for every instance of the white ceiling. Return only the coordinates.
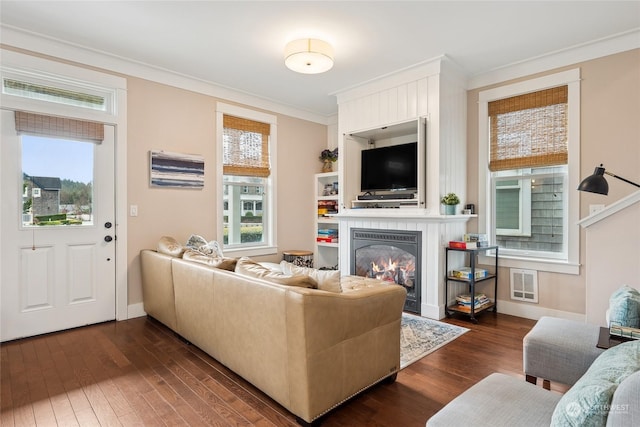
(239, 44)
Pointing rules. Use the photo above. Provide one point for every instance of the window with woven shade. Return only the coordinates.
(245, 147)
(248, 179)
(529, 142)
(58, 127)
(529, 130)
(528, 155)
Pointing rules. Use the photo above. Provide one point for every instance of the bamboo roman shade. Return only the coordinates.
(60, 127)
(245, 147)
(529, 130)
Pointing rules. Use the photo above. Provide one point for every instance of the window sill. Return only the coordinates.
(548, 265)
(250, 251)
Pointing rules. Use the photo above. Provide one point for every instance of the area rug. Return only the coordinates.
(420, 336)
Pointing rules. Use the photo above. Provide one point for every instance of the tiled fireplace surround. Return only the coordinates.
(435, 231)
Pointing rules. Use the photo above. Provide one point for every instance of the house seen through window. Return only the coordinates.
(57, 169)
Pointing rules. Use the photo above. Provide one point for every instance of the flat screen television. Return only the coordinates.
(390, 168)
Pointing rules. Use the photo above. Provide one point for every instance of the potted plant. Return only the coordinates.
(450, 201)
(328, 157)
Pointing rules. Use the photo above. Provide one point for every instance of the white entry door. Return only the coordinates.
(57, 270)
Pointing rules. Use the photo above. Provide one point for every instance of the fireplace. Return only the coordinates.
(390, 255)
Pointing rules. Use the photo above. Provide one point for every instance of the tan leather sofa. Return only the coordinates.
(308, 349)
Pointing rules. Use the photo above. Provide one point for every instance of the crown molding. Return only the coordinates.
(617, 43)
(54, 48)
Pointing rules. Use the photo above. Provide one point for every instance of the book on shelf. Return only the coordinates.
(460, 244)
(327, 207)
(467, 308)
(327, 239)
(327, 231)
(465, 273)
(475, 237)
(465, 299)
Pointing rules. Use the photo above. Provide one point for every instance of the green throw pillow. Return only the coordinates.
(624, 307)
(587, 402)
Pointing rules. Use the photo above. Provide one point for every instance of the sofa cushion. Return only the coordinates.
(250, 268)
(223, 263)
(624, 307)
(328, 280)
(587, 403)
(169, 246)
(624, 409)
(498, 400)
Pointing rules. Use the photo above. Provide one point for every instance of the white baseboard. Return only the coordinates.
(535, 312)
(431, 311)
(135, 310)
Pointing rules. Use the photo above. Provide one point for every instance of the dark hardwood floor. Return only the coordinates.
(138, 372)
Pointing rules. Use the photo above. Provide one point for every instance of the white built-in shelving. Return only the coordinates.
(327, 193)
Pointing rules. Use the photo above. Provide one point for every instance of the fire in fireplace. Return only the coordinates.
(390, 255)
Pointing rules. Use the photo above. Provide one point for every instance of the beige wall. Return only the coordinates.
(161, 117)
(610, 134)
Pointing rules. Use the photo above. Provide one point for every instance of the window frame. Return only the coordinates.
(486, 218)
(524, 203)
(269, 246)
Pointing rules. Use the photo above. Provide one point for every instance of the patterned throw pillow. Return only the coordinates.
(200, 244)
(249, 268)
(587, 403)
(624, 307)
(328, 280)
(195, 242)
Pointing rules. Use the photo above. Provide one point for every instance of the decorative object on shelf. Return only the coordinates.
(308, 56)
(597, 184)
(328, 157)
(450, 201)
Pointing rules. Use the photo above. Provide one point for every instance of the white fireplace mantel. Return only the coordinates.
(437, 231)
(421, 215)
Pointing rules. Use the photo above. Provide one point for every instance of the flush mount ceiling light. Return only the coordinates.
(308, 56)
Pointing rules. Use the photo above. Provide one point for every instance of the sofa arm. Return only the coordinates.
(341, 344)
(157, 287)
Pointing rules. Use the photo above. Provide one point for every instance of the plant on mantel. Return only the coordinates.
(450, 199)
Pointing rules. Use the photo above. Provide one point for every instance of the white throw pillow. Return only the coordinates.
(328, 280)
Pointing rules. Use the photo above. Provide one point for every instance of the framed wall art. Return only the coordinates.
(175, 170)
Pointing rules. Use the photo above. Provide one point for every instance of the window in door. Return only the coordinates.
(57, 169)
